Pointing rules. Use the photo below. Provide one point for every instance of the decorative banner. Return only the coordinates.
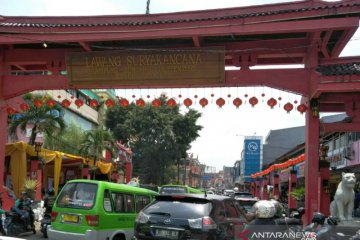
(148, 67)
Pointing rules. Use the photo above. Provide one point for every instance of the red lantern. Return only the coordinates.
(171, 102)
(220, 102)
(51, 103)
(140, 102)
(124, 102)
(93, 103)
(72, 97)
(65, 103)
(156, 103)
(79, 103)
(38, 103)
(187, 102)
(272, 102)
(24, 107)
(253, 101)
(109, 103)
(203, 102)
(237, 102)
(302, 108)
(288, 107)
(10, 111)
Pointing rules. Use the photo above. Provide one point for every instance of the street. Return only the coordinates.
(31, 236)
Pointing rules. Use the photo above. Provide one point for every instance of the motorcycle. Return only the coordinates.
(15, 225)
(46, 221)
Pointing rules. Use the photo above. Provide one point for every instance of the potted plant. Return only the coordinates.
(30, 186)
(299, 195)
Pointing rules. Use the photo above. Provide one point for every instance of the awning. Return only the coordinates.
(18, 151)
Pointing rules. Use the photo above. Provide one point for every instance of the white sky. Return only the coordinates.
(220, 141)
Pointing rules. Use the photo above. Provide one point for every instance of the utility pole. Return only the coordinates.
(148, 7)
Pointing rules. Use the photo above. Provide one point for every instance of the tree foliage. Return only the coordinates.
(44, 119)
(158, 137)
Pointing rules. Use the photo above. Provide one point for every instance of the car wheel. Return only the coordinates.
(119, 237)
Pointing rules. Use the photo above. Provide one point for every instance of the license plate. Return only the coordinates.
(166, 233)
(70, 218)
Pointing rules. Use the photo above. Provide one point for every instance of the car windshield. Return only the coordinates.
(180, 208)
(77, 195)
(172, 190)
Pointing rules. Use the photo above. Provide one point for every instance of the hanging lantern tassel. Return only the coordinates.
(220, 102)
(288, 107)
(253, 101)
(203, 102)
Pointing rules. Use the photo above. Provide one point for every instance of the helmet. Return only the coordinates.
(278, 208)
(51, 191)
(318, 218)
(332, 220)
(264, 209)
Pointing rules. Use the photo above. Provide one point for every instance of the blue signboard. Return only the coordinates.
(206, 177)
(252, 150)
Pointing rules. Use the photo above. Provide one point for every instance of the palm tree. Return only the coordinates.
(44, 119)
(95, 142)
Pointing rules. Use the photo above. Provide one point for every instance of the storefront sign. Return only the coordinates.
(284, 175)
(146, 67)
(354, 155)
(300, 170)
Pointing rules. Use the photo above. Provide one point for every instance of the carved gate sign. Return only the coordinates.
(146, 67)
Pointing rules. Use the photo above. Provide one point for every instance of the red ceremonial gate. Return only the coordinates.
(190, 49)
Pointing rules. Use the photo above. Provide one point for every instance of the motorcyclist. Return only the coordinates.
(264, 218)
(49, 200)
(23, 209)
(1, 212)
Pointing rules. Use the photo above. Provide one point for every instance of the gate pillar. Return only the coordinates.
(324, 189)
(276, 192)
(311, 165)
(265, 194)
(292, 203)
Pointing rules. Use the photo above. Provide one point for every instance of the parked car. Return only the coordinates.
(229, 193)
(189, 216)
(245, 199)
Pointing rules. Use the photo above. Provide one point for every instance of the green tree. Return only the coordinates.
(44, 119)
(95, 142)
(67, 141)
(158, 137)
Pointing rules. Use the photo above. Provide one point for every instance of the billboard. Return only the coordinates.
(252, 157)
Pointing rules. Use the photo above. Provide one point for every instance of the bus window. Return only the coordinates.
(141, 202)
(129, 203)
(107, 201)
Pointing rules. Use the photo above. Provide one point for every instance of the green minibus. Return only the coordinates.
(176, 189)
(89, 209)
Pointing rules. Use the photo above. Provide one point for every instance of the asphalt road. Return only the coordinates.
(31, 236)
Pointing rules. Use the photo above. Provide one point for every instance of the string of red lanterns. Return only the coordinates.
(171, 102)
(280, 166)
